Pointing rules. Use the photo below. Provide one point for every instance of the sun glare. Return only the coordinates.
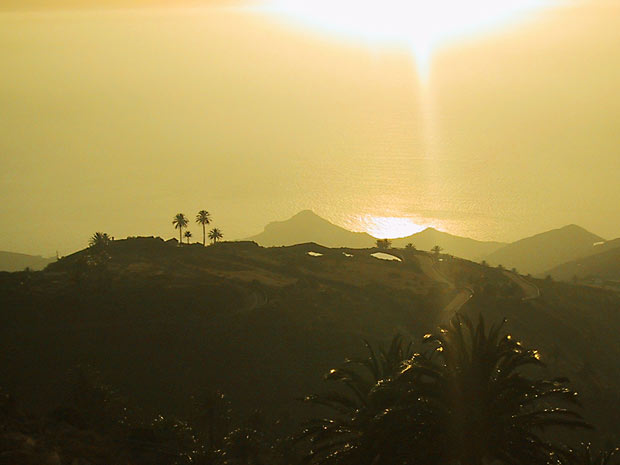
(421, 25)
(387, 227)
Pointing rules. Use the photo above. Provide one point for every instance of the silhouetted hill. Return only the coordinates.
(463, 247)
(163, 323)
(603, 265)
(542, 252)
(11, 261)
(306, 226)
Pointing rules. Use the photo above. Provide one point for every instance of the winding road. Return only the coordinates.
(529, 289)
(427, 264)
(463, 296)
(428, 267)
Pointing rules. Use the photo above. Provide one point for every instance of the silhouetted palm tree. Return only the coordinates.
(204, 218)
(99, 240)
(245, 446)
(478, 401)
(180, 221)
(353, 434)
(410, 246)
(215, 234)
(383, 244)
(584, 455)
(188, 235)
(465, 402)
(437, 250)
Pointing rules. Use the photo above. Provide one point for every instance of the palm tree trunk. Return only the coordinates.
(204, 237)
(180, 236)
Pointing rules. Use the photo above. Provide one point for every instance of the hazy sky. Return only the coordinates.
(114, 120)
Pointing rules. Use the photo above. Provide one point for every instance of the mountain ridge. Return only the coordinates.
(14, 261)
(602, 264)
(307, 226)
(543, 251)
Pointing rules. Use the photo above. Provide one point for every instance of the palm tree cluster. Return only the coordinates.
(464, 401)
(203, 218)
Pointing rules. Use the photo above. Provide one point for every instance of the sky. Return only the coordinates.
(115, 119)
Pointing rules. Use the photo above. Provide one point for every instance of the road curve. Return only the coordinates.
(461, 298)
(530, 290)
(428, 267)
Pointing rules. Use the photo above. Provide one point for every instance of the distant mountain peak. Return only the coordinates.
(543, 251)
(574, 227)
(306, 213)
(306, 226)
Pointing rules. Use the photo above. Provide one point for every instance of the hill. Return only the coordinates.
(306, 226)
(11, 261)
(600, 267)
(164, 323)
(539, 253)
(463, 247)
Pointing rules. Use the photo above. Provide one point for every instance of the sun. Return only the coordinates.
(387, 227)
(421, 25)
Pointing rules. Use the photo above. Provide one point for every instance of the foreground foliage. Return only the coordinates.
(466, 400)
(468, 396)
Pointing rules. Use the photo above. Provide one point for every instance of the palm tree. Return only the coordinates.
(99, 240)
(245, 446)
(410, 246)
(585, 456)
(215, 234)
(465, 401)
(351, 434)
(383, 243)
(180, 221)
(188, 235)
(478, 400)
(204, 218)
(437, 250)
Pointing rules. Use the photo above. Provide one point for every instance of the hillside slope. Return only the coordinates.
(11, 261)
(163, 323)
(604, 265)
(463, 247)
(539, 253)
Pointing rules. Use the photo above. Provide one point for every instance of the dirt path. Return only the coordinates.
(461, 298)
(530, 290)
(428, 267)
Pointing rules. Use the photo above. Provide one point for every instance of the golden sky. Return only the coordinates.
(116, 120)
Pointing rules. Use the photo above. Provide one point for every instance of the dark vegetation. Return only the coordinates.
(142, 352)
